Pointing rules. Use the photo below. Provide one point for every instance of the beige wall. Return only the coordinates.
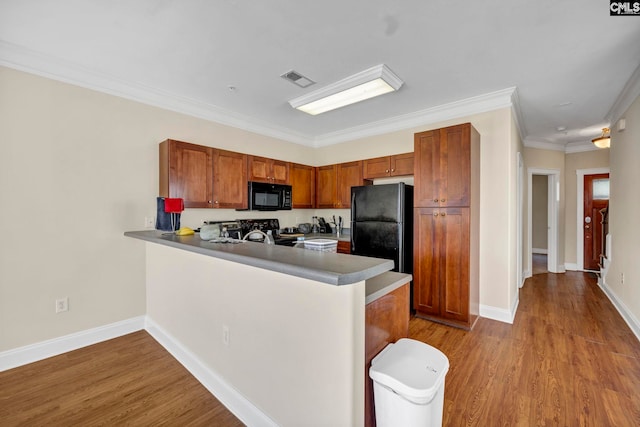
(295, 346)
(551, 160)
(539, 211)
(499, 144)
(568, 164)
(574, 162)
(624, 212)
(80, 167)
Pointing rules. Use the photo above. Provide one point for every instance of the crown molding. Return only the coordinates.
(23, 59)
(580, 147)
(629, 93)
(568, 148)
(466, 107)
(544, 145)
(517, 114)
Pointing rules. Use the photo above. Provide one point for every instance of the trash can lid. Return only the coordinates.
(411, 368)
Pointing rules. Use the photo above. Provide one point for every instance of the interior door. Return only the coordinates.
(596, 198)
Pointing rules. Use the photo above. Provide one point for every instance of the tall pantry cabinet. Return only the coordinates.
(446, 225)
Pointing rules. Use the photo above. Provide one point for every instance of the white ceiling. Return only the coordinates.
(563, 63)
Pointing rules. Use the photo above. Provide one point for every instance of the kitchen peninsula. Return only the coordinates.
(276, 333)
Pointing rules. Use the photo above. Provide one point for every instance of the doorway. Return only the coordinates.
(539, 223)
(596, 201)
(583, 209)
(552, 208)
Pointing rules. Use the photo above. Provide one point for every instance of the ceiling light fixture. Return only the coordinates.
(367, 84)
(604, 140)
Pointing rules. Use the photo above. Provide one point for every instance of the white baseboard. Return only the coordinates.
(572, 266)
(499, 314)
(624, 311)
(539, 251)
(32, 353)
(526, 274)
(225, 393)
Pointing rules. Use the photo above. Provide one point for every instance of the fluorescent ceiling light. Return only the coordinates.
(367, 84)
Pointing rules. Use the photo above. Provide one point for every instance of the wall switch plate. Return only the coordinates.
(149, 222)
(62, 304)
(225, 335)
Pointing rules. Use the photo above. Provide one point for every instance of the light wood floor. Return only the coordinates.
(539, 262)
(568, 360)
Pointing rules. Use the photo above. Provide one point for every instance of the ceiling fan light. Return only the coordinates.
(604, 140)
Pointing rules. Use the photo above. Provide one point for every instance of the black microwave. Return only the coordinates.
(269, 197)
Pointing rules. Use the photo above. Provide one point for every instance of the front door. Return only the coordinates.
(596, 198)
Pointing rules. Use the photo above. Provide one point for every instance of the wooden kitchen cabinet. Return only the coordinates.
(349, 175)
(344, 247)
(303, 186)
(446, 225)
(203, 177)
(388, 166)
(273, 171)
(326, 186)
(334, 182)
(442, 266)
(386, 321)
(443, 166)
(186, 172)
(230, 189)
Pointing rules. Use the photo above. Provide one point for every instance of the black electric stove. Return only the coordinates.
(264, 225)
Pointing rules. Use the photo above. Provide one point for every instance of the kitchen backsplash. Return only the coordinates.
(193, 217)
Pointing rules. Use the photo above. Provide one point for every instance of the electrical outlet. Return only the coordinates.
(149, 222)
(226, 335)
(62, 304)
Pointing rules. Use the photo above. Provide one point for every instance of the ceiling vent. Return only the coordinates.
(297, 78)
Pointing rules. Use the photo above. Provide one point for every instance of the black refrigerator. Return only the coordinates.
(382, 223)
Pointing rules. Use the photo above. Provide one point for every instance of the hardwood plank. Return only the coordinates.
(569, 359)
(130, 380)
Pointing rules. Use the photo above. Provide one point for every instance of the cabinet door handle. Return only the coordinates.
(442, 214)
(387, 171)
(209, 201)
(393, 170)
(435, 214)
(216, 202)
(442, 200)
(435, 200)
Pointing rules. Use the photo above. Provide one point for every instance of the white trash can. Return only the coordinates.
(408, 384)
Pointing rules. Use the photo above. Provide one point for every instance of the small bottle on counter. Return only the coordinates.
(269, 239)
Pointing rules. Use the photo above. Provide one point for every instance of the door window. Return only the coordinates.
(601, 189)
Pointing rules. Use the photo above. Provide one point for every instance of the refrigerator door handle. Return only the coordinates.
(353, 204)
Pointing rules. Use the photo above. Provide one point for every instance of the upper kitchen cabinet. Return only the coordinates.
(186, 172)
(230, 180)
(334, 182)
(203, 177)
(382, 167)
(303, 186)
(273, 171)
(349, 175)
(443, 163)
(326, 186)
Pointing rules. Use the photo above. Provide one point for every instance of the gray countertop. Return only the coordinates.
(326, 267)
(384, 283)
